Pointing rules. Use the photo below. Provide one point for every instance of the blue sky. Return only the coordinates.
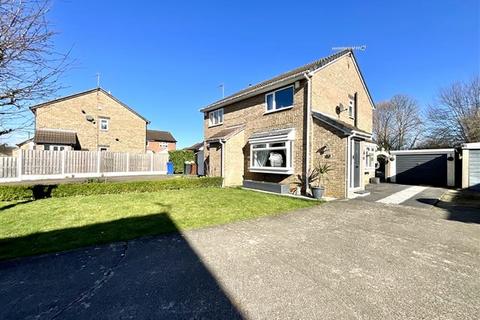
(167, 59)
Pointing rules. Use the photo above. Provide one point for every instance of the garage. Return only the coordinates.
(474, 169)
(471, 169)
(432, 167)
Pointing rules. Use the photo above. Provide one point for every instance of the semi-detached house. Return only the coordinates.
(277, 130)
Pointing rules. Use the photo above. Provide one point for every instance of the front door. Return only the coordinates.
(356, 164)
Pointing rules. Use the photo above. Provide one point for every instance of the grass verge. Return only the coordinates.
(57, 224)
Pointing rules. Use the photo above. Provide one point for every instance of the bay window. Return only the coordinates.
(271, 153)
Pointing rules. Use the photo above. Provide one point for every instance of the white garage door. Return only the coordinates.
(474, 169)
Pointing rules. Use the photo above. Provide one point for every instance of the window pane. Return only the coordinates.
(270, 101)
(220, 116)
(284, 98)
(256, 146)
(260, 158)
(210, 115)
(277, 158)
(277, 144)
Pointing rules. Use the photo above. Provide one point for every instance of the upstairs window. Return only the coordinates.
(351, 107)
(279, 99)
(215, 117)
(104, 124)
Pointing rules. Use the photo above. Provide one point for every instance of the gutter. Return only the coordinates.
(308, 76)
(222, 169)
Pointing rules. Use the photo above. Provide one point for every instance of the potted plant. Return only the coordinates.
(300, 184)
(318, 189)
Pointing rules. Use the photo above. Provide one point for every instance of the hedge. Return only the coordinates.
(178, 157)
(23, 192)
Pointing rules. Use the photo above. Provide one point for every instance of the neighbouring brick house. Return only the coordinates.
(90, 120)
(279, 129)
(158, 141)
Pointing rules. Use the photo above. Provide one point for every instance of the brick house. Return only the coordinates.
(160, 141)
(90, 120)
(279, 129)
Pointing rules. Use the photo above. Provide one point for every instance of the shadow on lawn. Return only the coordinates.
(151, 277)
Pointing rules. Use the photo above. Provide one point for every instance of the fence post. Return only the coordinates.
(19, 164)
(63, 162)
(151, 162)
(99, 154)
(128, 162)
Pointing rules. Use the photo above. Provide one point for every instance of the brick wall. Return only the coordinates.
(126, 133)
(251, 113)
(234, 163)
(333, 85)
(157, 146)
(324, 136)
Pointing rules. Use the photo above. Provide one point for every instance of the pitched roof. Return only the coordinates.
(344, 127)
(156, 135)
(290, 75)
(52, 136)
(195, 146)
(225, 134)
(43, 104)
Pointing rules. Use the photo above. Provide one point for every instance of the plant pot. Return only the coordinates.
(298, 190)
(318, 192)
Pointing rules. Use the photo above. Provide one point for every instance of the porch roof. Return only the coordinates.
(344, 127)
(53, 136)
(225, 134)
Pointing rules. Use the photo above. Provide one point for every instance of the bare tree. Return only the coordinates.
(455, 116)
(29, 65)
(397, 123)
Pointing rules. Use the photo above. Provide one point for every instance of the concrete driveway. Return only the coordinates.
(413, 196)
(342, 260)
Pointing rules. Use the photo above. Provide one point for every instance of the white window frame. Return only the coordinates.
(370, 154)
(286, 136)
(351, 107)
(272, 93)
(215, 117)
(104, 120)
(288, 169)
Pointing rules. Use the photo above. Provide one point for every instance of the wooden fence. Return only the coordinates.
(41, 164)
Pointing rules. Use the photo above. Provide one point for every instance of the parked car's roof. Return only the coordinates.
(163, 136)
(287, 75)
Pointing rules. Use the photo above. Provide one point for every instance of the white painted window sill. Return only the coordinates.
(215, 125)
(277, 110)
(272, 170)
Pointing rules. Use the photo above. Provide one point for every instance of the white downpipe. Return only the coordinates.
(222, 166)
(307, 142)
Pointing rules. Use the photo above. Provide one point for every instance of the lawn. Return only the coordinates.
(56, 224)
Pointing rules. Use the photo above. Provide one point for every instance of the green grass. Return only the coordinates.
(57, 224)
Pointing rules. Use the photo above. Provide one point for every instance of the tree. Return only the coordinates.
(29, 65)
(455, 116)
(397, 123)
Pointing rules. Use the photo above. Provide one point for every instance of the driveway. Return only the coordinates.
(414, 196)
(341, 260)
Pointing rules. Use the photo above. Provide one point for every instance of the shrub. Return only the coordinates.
(178, 157)
(19, 192)
(8, 193)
